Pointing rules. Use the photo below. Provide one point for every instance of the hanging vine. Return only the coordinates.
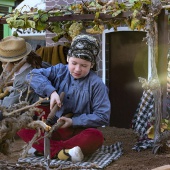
(38, 20)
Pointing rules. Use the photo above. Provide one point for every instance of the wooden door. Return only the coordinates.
(127, 60)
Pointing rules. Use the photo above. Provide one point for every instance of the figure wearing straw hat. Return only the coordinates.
(16, 51)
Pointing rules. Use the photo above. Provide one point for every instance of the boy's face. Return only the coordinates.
(78, 67)
(7, 66)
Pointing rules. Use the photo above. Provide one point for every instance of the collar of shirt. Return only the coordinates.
(23, 68)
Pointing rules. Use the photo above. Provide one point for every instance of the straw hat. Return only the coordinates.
(13, 49)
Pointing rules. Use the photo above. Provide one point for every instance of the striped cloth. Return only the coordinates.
(99, 160)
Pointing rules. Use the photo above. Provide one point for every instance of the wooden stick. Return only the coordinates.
(25, 108)
(24, 153)
(59, 124)
(54, 110)
(16, 68)
(1, 76)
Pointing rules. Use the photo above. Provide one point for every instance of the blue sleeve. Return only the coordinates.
(43, 80)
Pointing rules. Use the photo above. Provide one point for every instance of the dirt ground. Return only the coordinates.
(130, 160)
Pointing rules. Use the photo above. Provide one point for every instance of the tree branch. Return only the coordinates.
(24, 108)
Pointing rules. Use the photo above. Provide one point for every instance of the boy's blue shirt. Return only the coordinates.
(87, 98)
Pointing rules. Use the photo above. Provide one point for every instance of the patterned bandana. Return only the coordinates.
(85, 47)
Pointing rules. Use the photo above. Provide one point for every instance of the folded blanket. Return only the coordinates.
(98, 160)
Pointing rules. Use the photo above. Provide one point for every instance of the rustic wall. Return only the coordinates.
(58, 3)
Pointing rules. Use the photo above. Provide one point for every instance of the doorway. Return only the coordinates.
(127, 60)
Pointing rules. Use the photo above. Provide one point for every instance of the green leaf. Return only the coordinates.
(132, 1)
(137, 5)
(168, 127)
(56, 27)
(97, 14)
(9, 20)
(36, 17)
(135, 13)
(134, 23)
(40, 26)
(15, 34)
(165, 121)
(98, 6)
(92, 4)
(16, 14)
(58, 36)
(122, 6)
(40, 12)
(96, 27)
(109, 26)
(23, 16)
(57, 13)
(18, 23)
(116, 13)
(146, 1)
(44, 17)
(30, 24)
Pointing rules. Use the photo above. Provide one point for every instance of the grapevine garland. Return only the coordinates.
(39, 20)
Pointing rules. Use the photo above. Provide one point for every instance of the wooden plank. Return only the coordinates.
(81, 17)
(162, 55)
(2, 21)
(87, 17)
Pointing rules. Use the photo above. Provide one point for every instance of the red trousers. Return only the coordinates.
(89, 139)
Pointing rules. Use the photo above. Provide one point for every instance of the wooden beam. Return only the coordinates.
(2, 21)
(84, 17)
(162, 54)
(87, 17)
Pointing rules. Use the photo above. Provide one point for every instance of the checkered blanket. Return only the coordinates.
(141, 121)
(99, 160)
(143, 144)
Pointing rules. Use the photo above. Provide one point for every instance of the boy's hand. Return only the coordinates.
(67, 122)
(54, 99)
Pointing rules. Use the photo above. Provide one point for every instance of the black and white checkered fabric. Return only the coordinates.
(143, 144)
(142, 119)
(99, 160)
(143, 114)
